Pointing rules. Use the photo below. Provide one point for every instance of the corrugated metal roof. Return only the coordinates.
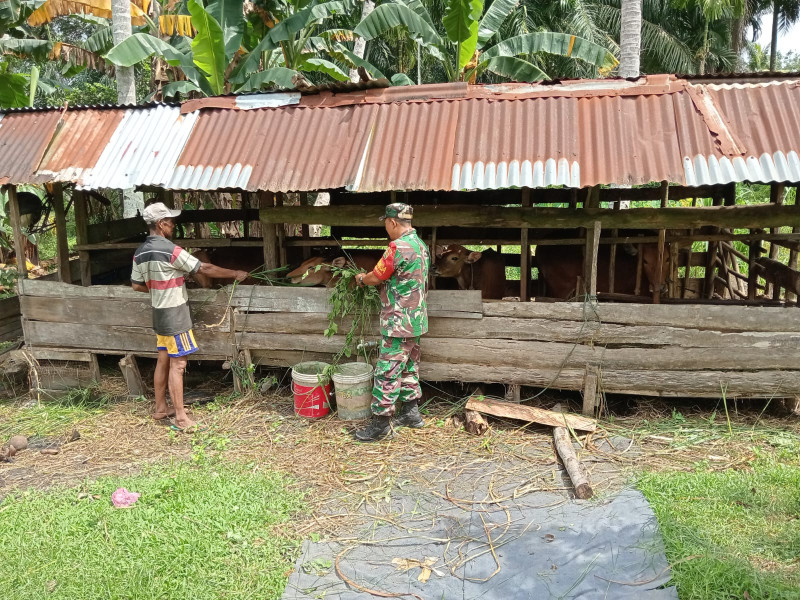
(574, 133)
(24, 137)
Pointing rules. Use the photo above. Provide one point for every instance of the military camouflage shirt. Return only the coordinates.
(404, 269)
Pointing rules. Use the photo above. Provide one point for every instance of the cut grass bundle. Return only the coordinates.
(194, 533)
(730, 534)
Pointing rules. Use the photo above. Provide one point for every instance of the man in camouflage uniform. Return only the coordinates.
(402, 273)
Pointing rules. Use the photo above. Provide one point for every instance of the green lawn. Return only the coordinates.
(197, 532)
(730, 534)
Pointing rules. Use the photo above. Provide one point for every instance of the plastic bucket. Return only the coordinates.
(312, 391)
(353, 383)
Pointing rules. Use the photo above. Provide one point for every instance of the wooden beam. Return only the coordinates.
(752, 273)
(270, 232)
(80, 202)
(776, 196)
(531, 414)
(563, 443)
(547, 218)
(525, 253)
(16, 231)
(62, 244)
(590, 392)
(778, 274)
(662, 234)
(590, 259)
(132, 376)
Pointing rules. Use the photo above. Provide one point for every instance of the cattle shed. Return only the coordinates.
(619, 193)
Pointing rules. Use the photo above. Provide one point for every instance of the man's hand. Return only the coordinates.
(241, 275)
(139, 287)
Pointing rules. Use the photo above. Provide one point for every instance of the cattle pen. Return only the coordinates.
(604, 170)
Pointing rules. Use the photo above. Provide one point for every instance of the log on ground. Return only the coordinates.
(530, 414)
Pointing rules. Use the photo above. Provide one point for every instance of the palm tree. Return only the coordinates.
(711, 11)
(630, 38)
(470, 46)
(784, 14)
(121, 30)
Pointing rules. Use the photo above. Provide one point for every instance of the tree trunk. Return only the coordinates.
(361, 43)
(704, 53)
(630, 38)
(121, 30)
(773, 47)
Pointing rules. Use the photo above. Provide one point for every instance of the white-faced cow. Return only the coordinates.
(307, 274)
(248, 259)
(484, 271)
(560, 267)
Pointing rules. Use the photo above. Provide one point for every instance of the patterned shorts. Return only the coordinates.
(176, 345)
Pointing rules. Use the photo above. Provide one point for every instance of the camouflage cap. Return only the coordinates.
(398, 210)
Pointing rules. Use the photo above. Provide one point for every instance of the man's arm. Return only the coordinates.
(139, 287)
(221, 273)
(368, 279)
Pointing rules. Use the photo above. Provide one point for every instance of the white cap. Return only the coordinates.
(157, 211)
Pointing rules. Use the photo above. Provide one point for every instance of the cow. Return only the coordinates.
(560, 267)
(248, 258)
(484, 271)
(319, 271)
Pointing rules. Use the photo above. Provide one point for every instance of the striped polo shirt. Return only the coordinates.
(161, 266)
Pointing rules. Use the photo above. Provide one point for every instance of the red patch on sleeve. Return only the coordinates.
(175, 254)
(385, 267)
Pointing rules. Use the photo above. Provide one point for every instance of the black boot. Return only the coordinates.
(408, 416)
(378, 428)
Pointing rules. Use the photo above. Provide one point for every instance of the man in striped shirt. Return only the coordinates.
(160, 268)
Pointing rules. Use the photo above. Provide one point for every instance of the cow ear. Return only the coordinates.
(439, 250)
(339, 262)
(474, 257)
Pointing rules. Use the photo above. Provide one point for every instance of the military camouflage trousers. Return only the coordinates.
(396, 374)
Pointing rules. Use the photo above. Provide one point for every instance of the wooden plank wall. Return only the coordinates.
(10, 319)
(655, 350)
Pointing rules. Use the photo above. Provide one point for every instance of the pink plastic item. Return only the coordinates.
(122, 498)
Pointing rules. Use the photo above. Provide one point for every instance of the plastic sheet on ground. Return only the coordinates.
(543, 545)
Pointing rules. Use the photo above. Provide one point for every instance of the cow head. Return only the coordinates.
(451, 260)
(316, 271)
(650, 266)
(204, 281)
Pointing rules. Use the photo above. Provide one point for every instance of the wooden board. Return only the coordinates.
(530, 414)
(720, 318)
(120, 338)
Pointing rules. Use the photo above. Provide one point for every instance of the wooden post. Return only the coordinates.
(270, 233)
(167, 197)
(432, 251)
(281, 231)
(16, 228)
(612, 256)
(525, 253)
(589, 392)
(776, 196)
(793, 251)
(662, 235)
(304, 228)
(245, 198)
(590, 260)
(752, 271)
(132, 376)
(62, 244)
(81, 234)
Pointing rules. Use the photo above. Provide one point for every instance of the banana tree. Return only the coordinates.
(216, 60)
(467, 48)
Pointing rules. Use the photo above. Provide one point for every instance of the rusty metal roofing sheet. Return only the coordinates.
(78, 143)
(24, 137)
(277, 149)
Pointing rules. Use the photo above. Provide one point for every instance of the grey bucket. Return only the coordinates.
(353, 384)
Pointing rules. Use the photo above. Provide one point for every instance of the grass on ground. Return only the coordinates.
(727, 498)
(196, 532)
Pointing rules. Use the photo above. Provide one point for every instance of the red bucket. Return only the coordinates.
(312, 390)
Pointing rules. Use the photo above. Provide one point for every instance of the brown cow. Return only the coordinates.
(248, 258)
(307, 274)
(560, 267)
(484, 271)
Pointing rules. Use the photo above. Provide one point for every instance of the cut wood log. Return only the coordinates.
(130, 371)
(563, 443)
(474, 423)
(530, 414)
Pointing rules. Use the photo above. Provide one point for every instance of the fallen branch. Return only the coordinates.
(563, 442)
(531, 414)
(474, 423)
